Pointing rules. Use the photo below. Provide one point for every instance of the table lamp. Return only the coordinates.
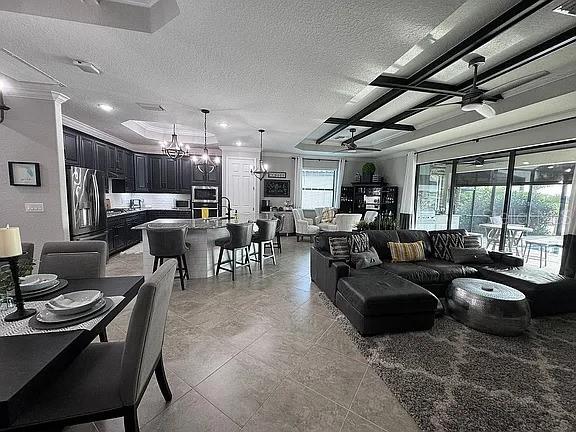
(11, 250)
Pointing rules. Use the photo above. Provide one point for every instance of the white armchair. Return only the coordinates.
(319, 212)
(304, 226)
(342, 222)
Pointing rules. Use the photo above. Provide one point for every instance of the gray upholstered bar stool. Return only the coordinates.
(169, 242)
(264, 238)
(279, 227)
(240, 239)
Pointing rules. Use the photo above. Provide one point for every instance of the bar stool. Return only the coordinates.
(165, 243)
(264, 238)
(279, 227)
(240, 239)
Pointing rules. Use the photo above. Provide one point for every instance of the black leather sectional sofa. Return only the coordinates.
(395, 297)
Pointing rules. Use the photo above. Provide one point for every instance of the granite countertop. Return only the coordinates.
(203, 224)
(129, 212)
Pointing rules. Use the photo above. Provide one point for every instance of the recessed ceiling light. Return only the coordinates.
(106, 107)
(223, 124)
(238, 143)
(3, 85)
(525, 163)
(550, 167)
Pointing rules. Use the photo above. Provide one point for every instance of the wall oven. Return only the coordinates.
(204, 194)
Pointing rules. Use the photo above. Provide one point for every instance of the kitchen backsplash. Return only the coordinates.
(149, 200)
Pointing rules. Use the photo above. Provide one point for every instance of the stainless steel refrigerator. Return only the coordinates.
(86, 203)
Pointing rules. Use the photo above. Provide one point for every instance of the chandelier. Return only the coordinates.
(262, 169)
(174, 149)
(204, 162)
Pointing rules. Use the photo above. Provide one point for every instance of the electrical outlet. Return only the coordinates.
(34, 207)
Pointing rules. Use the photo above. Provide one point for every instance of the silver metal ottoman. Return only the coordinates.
(489, 307)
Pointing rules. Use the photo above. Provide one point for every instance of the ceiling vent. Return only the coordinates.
(151, 107)
(87, 67)
(567, 8)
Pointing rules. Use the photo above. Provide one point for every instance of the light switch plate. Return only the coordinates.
(34, 207)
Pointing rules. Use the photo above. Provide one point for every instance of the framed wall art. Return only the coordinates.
(24, 173)
(277, 188)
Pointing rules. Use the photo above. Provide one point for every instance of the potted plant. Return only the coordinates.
(368, 170)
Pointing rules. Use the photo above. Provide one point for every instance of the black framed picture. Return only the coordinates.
(277, 188)
(277, 174)
(24, 173)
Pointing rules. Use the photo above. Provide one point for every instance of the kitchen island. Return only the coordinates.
(202, 234)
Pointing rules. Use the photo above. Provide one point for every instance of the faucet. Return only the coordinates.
(228, 208)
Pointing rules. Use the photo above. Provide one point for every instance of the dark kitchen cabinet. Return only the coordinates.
(111, 166)
(88, 152)
(141, 183)
(163, 174)
(129, 172)
(213, 178)
(155, 173)
(121, 158)
(186, 166)
(171, 171)
(72, 149)
(120, 232)
(101, 156)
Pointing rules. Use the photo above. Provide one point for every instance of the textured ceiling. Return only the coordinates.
(281, 66)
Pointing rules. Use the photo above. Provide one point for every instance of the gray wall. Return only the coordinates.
(32, 132)
(284, 164)
(393, 172)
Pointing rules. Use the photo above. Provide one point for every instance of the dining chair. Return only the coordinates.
(74, 259)
(262, 239)
(108, 380)
(165, 243)
(239, 239)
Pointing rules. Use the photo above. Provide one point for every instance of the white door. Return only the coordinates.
(241, 185)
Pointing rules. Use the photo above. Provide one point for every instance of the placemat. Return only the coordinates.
(22, 327)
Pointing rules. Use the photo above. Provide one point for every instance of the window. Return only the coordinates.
(318, 187)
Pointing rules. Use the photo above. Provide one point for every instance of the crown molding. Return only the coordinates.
(97, 133)
(35, 91)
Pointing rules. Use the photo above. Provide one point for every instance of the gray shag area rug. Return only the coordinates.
(452, 378)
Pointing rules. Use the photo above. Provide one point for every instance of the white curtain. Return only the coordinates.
(339, 181)
(297, 182)
(407, 202)
(568, 263)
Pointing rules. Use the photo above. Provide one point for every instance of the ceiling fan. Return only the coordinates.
(475, 99)
(352, 147)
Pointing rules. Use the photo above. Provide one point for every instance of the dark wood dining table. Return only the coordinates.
(27, 361)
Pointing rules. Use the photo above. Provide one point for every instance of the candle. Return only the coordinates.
(10, 243)
(205, 213)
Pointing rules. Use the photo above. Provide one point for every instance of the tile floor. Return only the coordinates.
(258, 354)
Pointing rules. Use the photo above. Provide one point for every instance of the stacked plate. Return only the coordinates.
(38, 284)
(74, 306)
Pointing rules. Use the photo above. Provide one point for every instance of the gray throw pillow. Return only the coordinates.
(470, 256)
(339, 247)
(369, 258)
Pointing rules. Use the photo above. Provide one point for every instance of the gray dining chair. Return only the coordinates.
(108, 380)
(169, 242)
(74, 259)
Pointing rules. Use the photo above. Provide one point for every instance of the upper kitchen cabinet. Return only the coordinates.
(88, 148)
(129, 172)
(141, 177)
(101, 156)
(186, 166)
(72, 149)
(111, 165)
(213, 178)
(121, 157)
(163, 173)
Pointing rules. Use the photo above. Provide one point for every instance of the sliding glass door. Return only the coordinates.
(432, 196)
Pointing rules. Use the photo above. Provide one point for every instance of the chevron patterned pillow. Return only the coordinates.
(442, 242)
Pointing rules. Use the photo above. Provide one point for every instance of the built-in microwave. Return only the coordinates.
(204, 194)
(181, 203)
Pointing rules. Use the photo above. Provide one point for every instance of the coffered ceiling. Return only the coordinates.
(283, 67)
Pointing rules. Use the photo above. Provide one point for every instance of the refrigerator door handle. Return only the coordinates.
(96, 200)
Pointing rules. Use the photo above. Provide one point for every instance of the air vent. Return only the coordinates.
(567, 8)
(86, 67)
(151, 107)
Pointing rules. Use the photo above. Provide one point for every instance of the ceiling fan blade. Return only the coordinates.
(486, 111)
(516, 83)
(433, 106)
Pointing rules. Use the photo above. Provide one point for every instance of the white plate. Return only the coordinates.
(74, 302)
(45, 316)
(36, 282)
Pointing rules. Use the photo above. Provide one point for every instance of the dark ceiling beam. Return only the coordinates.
(371, 124)
(424, 87)
(515, 14)
(536, 52)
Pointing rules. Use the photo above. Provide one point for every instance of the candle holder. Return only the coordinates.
(21, 312)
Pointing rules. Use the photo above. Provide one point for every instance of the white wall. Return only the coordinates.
(32, 132)
(282, 164)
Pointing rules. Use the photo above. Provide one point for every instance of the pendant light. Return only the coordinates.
(262, 169)
(174, 149)
(205, 163)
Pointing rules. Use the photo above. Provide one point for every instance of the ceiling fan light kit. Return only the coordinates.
(262, 169)
(352, 147)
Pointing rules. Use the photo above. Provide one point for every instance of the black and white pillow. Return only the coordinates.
(472, 241)
(442, 242)
(359, 243)
(339, 247)
(365, 259)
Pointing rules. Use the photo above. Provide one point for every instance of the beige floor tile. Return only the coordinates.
(375, 402)
(295, 408)
(241, 330)
(191, 413)
(355, 423)
(332, 375)
(240, 387)
(282, 351)
(336, 340)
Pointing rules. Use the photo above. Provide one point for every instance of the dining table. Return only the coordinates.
(28, 361)
(514, 234)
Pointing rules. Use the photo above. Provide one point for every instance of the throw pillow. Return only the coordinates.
(359, 242)
(407, 252)
(442, 242)
(471, 256)
(328, 215)
(472, 241)
(365, 259)
(339, 247)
